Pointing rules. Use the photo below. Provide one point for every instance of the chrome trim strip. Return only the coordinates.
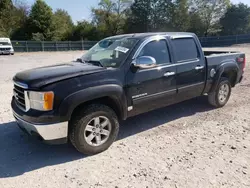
(26, 97)
(130, 108)
(19, 105)
(200, 83)
(27, 101)
(22, 85)
(46, 131)
(163, 37)
(181, 36)
(187, 61)
(17, 90)
(166, 65)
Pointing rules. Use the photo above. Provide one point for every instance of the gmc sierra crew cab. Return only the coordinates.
(83, 101)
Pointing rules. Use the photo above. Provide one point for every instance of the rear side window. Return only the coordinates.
(185, 49)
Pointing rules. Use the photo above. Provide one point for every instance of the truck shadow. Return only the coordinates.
(20, 153)
(161, 116)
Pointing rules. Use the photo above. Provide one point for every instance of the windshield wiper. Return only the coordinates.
(96, 63)
(79, 60)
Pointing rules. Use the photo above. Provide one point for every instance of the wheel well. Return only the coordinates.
(108, 101)
(231, 76)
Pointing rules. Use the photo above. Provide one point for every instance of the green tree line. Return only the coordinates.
(203, 17)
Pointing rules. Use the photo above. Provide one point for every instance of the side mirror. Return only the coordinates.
(145, 62)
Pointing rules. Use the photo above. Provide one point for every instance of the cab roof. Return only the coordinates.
(150, 34)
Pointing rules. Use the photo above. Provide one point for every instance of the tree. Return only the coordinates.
(138, 17)
(236, 20)
(149, 15)
(6, 17)
(85, 30)
(21, 13)
(62, 25)
(210, 12)
(12, 16)
(41, 21)
(180, 15)
(196, 25)
(109, 16)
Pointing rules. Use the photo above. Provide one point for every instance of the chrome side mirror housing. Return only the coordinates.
(144, 62)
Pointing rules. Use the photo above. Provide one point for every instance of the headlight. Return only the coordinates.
(42, 101)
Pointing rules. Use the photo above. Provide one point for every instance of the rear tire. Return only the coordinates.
(221, 95)
(93, 129)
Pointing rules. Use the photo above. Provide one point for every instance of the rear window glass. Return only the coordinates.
(185, 49)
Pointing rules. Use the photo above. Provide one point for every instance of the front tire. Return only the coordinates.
(93, 129)
(221, 95)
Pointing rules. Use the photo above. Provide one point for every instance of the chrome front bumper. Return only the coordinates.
(6, 52)
(48, 132)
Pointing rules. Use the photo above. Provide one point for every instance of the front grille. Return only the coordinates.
(4, 49)
(19, 95)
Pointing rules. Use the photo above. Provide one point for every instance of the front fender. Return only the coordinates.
(223, 68)
(113, 91)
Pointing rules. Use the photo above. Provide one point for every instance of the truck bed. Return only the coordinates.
(214, 59)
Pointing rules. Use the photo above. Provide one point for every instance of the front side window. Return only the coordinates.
(110, 52)
(185, 49)
(157, 49)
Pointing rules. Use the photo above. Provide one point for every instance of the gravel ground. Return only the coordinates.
(186, 145)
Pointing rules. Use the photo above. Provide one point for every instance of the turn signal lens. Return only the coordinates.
(42, 101)
(48, 101)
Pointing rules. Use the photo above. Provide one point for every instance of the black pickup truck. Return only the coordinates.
(83, 101)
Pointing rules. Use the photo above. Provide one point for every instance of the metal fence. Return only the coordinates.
(224, 40)
(35, 46)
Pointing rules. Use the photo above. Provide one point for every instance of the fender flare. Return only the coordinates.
(224, 67)
(113, 91)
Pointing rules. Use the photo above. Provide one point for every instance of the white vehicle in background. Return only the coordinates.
(6, 46)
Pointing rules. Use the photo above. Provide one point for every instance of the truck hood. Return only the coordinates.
(38, 77)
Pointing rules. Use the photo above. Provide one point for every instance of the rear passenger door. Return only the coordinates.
(190, 64)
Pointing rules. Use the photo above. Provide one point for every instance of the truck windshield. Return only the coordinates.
(110, 53)
(4, 43)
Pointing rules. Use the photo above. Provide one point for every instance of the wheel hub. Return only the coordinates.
(97, 131)
(223, 93)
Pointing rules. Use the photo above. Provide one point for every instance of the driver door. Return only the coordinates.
(152, 88)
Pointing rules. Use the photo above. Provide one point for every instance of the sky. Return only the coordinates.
(78, 9)
(81, 9)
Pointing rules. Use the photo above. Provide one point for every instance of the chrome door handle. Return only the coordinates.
(199, 67)
(169, 74)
